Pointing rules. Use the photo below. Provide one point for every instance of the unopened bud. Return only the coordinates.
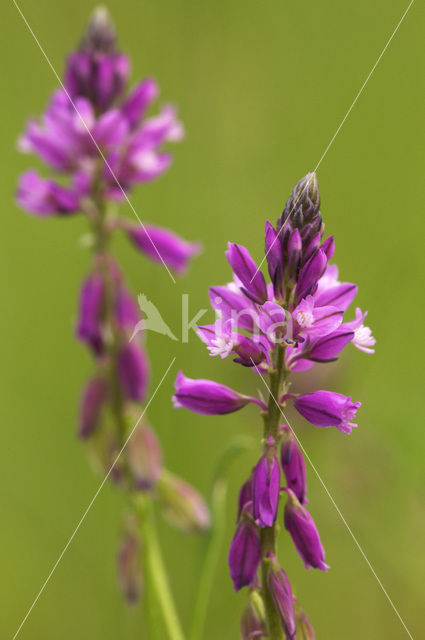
(94, 397)
(251, 627)
(304, 629)
(100, 34)
(281, 594)
(182, 505)
(129, 563)
(144, 457)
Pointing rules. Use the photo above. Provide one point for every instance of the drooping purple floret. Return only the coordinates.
(293, 465)
(304, 533)
(244, 554)
(208, 397)
(328, 409)
(281, 593)
(266, 488)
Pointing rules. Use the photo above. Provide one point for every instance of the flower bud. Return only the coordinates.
(89, 327)
(293, 252)
(244, 553)
(310, 274)
(304, 202)
(97, 71)
(304, 533)
(129, 564)
(182, 505)
(94, 398)
(266, 487)
(274, 256)
(144, 457)
(245, 496)
(133, 371)
(244, 267)
(207, 397)
(251, 627)
(293, 465)
(281, 594)
(304, 629)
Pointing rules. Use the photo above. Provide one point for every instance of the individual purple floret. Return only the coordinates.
(281, 594)
(266, 487)
(244, 553)
(304, 533)
(328, 409)
(207, 397)
(277, 328)
(293, 465)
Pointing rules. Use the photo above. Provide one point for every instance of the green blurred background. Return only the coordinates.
(261, 88)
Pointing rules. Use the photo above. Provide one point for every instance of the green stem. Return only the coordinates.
(216, 535)
(268, 534)
(113, 339)
(160, 599)
(212, 556)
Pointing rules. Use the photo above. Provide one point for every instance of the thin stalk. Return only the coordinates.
(212, 556)
(268, 534)
(101, 252)
(161, 604)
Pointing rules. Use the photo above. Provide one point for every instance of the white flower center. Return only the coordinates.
(362, 335)
(305, 319)
(221, 346)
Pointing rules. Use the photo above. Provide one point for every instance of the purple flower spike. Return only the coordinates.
(94, 398)
(281, 593)
(304, 533)
(244, 554)
(293, 465)
(133, 371)
(45, 197)
(328, 409)
(244, 267)
(159, 243)
(207, 397)
(89, 327)
(265, 488)
(97, 71)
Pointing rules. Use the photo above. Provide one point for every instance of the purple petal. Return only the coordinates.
(133, 371)
(311, 272)
(161, 244)
(246, 270)
(244, 554)
(135, 105)
(45, 197)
